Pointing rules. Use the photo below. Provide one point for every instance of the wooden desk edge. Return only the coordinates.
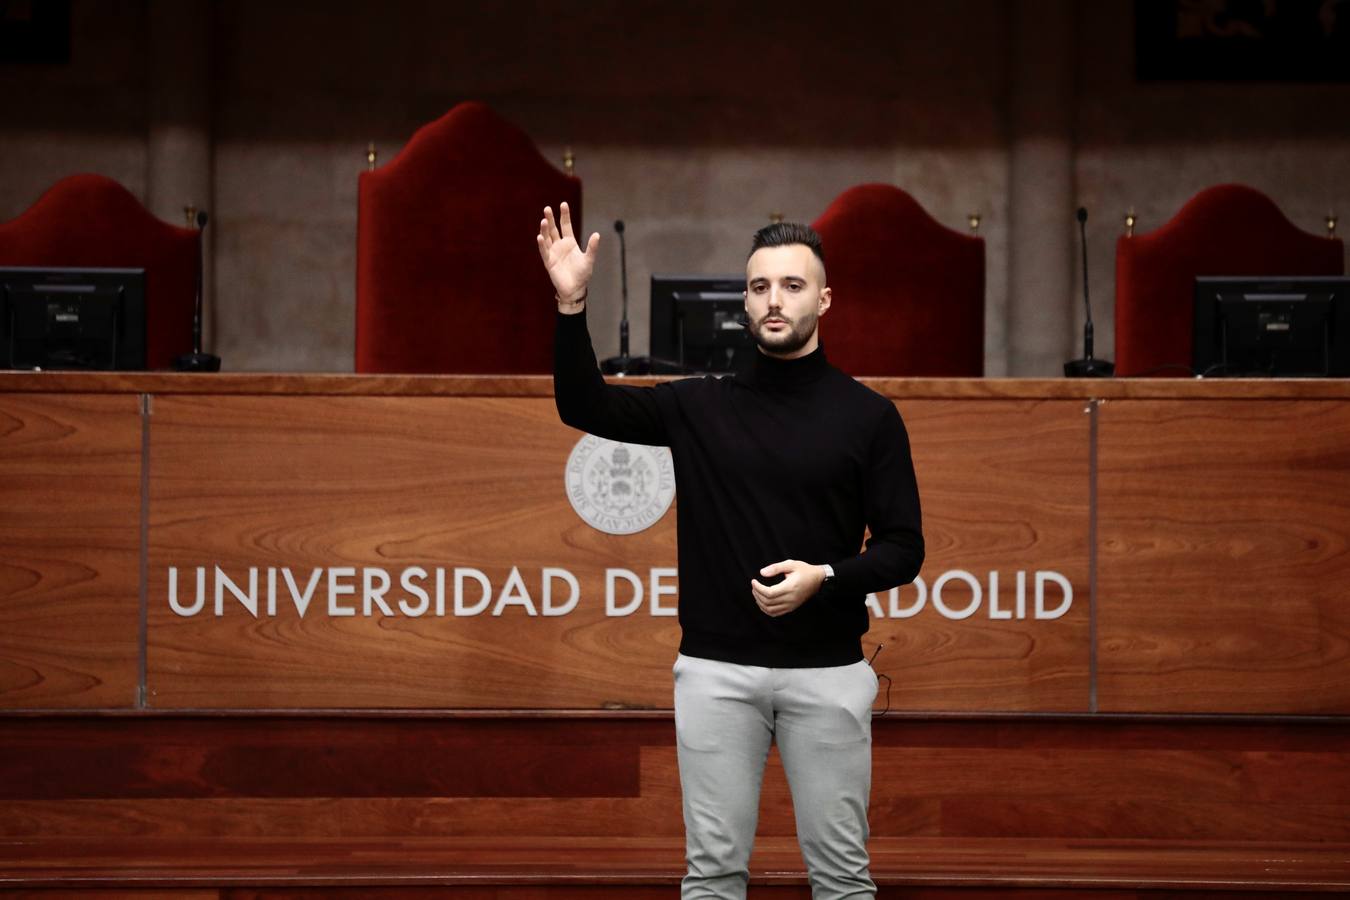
(918, 716)
(342, 384)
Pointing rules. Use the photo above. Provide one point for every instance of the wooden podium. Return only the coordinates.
(249, 621)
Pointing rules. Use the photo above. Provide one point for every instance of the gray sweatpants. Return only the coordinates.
(726, 716)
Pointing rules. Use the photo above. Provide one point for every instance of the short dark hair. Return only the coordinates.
(783, 234)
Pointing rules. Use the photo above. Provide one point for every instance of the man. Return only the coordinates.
(779, 470)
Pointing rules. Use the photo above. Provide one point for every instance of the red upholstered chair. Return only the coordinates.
(1225, 230)
(908, 291)
(90, 221)
(448, 277)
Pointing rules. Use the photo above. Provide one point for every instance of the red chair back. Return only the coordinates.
(448, 277)
(908, 292)
(91, 221)
(1229, 229)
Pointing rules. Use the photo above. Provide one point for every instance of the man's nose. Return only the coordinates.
(775, 298)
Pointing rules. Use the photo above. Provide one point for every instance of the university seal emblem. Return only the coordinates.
(619, 488)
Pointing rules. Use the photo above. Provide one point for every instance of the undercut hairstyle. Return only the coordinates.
(783, 234)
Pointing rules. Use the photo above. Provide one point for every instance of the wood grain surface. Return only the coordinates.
(179, 778)
(1003, 486)
(1092, 803)
(1222, 549)
(70, 506)
(889, 888)
(313, 384)
(453, 860)
(1223, 566)
(1225, 556)
(309, 483)
(392, 483)
(894, 888)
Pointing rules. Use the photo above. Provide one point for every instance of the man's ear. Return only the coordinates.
(825, 297)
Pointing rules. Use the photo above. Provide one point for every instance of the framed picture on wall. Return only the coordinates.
(1242, 40)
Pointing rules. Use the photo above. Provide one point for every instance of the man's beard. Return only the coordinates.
(784, 342)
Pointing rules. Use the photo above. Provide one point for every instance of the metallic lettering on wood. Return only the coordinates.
(390, 484)
(353, 552)
(1004, 491)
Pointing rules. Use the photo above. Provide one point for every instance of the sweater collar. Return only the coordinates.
(771, 371)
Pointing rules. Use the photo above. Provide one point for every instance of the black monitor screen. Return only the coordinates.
(1295, 327)
(698, 322)
(57, 318)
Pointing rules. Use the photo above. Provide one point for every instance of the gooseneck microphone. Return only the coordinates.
(1087, 367)
(623, 284)
(197, 361)
(623, 364)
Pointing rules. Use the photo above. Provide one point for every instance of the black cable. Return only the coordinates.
(880, 676)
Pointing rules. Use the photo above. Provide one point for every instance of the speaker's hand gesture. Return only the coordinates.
(569, 267)
(800, 583)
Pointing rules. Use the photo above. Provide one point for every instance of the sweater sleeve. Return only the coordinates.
(895, 550)
(586, 402)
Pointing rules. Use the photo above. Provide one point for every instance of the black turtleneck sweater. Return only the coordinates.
(791, 459)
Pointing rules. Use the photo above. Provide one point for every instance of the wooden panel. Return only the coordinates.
(451, 860)
(1225, 556)
(118, 893)
(70, 505)
(764, 889)
(188, 759)
(315, 483)
(184, 778)
(394, 483)
(602, 891)
(490, 892)
(373, 818)
(336, 384)
(1157, 819)
(319, 481)
(1008, 803)
(1004, 490)
(896, 889)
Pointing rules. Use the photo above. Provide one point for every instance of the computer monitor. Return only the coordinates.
(1285, 327)
(69, 318)
(698, 322)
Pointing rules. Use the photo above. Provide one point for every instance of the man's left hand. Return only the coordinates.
(800, 583)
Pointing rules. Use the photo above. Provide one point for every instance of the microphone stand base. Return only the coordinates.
(1089, 368)
(197, 362)
(642, 365)
(627, 365)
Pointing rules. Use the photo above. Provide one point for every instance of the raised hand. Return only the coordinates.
(569, 267)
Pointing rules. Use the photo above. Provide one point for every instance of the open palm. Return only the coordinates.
(569, 267)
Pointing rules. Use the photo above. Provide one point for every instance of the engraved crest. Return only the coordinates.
(619, 488)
